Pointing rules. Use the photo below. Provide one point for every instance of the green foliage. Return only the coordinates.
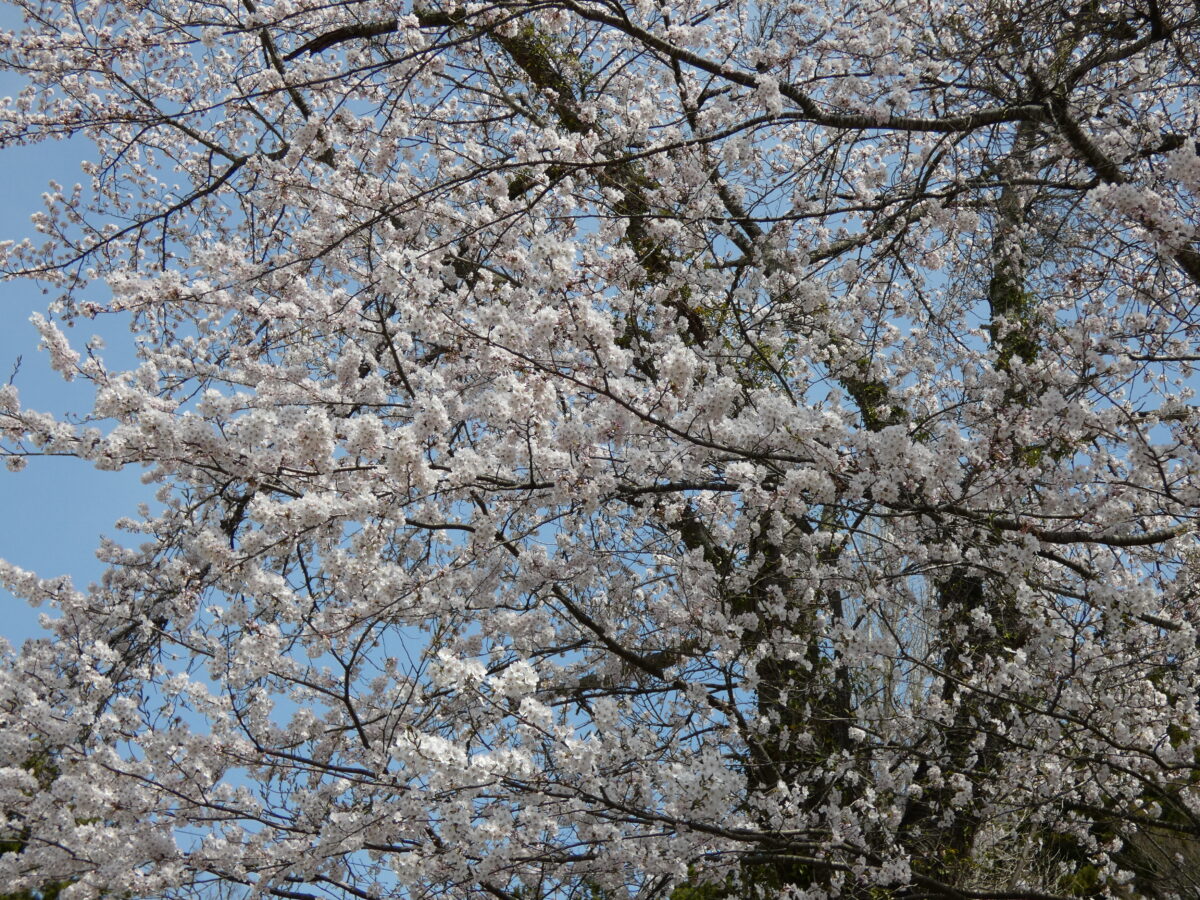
(699, 890)
(757, 881)
(1083, 882)
(43, 768)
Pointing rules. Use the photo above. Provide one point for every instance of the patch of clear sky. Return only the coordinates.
(56, 509)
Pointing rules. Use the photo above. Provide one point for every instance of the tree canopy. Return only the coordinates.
(612, 449)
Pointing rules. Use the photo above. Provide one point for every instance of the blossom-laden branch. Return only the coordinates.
(673, 450)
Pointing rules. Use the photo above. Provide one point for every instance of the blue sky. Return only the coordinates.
(55, 510)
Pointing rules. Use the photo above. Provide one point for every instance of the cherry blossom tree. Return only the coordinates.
(617, 448)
